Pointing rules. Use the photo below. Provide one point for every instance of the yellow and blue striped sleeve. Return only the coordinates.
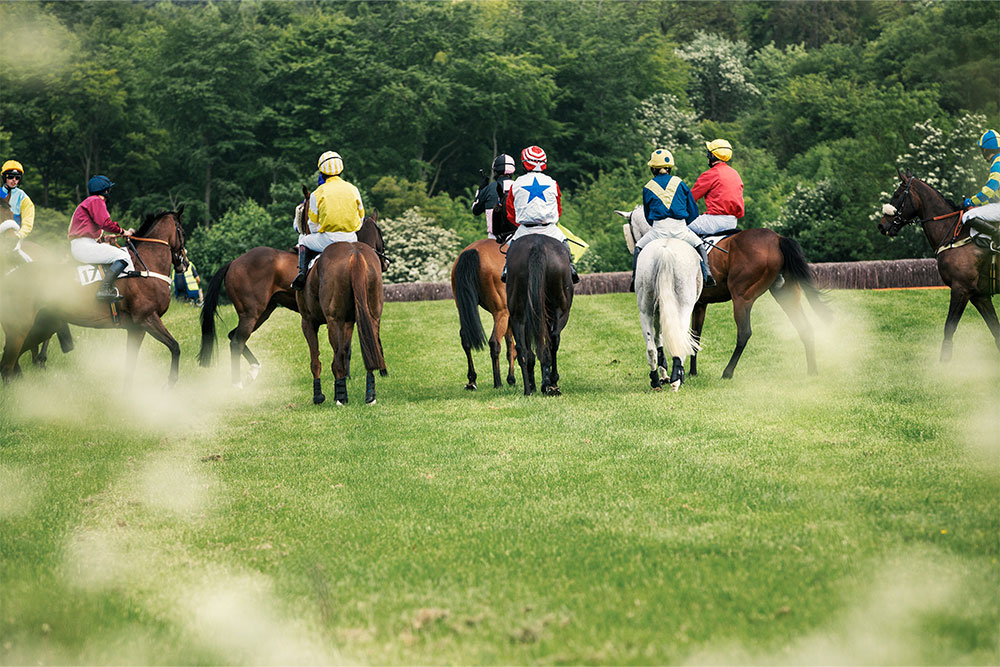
(990, 191)
(27, 217)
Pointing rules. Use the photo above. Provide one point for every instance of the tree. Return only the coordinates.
(721, 82)
(421, 251)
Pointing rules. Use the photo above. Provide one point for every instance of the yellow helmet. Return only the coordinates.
(720, 148)
(330, 163)
(661, 158)
(12, 165)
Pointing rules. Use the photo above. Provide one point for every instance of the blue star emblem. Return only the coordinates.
(536, 190)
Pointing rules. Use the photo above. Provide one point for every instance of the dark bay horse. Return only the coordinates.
(38, 298)
(257, 282)
(960, 262)
(745, 265)
(475, 282)
(539, 296)
(344, 287)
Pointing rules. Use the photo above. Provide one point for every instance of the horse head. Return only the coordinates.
(165, 227)
(903, 208)
(636, 228)
(371, 234)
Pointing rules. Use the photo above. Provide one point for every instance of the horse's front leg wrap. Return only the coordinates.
(340, 391)
(369, 388)
(318, 396)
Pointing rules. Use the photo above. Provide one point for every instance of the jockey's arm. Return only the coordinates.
(991, 190)
(27, 218)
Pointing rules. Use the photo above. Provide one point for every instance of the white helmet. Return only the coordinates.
(330, 163)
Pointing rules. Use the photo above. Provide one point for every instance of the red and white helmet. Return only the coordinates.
(533, 158)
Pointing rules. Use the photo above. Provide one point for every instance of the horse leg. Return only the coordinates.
(553, 352)
(309, 330)
(12, 348)
(741, 313)
(154, 325)
(697, 323)
(471, 369)
(340, 334)
(984, 305)
(135, 336)
(524, 355)
(511, 354)
(370, 388)
(495, 348)
(788, 297)
(653, 352)
(676, 373)
(959, 300)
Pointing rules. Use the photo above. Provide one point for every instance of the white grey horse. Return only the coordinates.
(668, 282)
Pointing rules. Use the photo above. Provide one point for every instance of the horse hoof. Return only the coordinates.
(676, 385)
(657, 388)
(511, 381)
(341, 403)
(551, 391)
(471, 386)
(371, 402)
(319, 398)
(252, 373)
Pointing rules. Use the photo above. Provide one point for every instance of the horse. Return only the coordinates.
(38, 298)
(745, 265)
(668, 282)
(14, 254)
(344, 287)
(539, 296)
(475, 281)
(257, 282)
(960, 262)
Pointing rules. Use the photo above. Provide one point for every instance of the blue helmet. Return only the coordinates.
(989, 140)
(99, 185)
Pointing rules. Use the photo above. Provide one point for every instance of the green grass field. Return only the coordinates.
(774, 518)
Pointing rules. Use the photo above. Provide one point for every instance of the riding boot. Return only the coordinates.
(635, 262)
(300, 280)
(572, 269)
(983, 227)
(107, 291)
(705, 270)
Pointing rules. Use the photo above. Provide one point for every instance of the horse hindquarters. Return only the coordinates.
(366, 283)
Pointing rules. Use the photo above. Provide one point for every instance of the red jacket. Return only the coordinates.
(90, 217)
(722, 188)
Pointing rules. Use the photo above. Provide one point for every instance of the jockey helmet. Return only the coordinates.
(12, 165)
(661, 159)
(989, 141)
(534, 158)
(99, 185)
(330, 163)
(503, 164)
(720, 148)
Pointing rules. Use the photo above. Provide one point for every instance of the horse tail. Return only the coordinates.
(208, 308)
(674, 303)
(467, 300)
(796, 269)
(534, 315)
(371, 347)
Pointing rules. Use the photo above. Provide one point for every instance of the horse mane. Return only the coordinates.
(946, 200)
(150, 219)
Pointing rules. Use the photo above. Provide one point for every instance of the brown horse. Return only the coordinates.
(257, 282)
(960, 262)
(344, 287)
(539, 294)
(475, 281)
(38, 298)
(12, 256)
(745, 265)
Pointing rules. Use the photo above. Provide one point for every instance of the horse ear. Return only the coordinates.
(305, 192)
(180, 209)
(374, 215)
(908, 175)
(902, 176)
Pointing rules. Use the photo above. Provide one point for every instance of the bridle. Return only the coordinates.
(178, 255)
(898, 221)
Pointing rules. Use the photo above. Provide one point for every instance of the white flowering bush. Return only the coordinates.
(662, 122)
(948, 161)
(721, 82)
(418, 249)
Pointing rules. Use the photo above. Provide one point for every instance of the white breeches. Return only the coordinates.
(706, 225)
(987, 212)
(669, 228)
(320, 240)
(88, 251)
(550, 230)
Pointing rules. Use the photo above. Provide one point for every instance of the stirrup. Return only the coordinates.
(111, 294)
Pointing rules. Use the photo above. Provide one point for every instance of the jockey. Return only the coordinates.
(722, 189)
(669, 207)
(986, 202)
(335, 214)
(90, 220)
(17, 212)
(488, 196)
(534, 203)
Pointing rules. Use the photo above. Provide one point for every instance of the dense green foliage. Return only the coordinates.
(215, 104)
(775, 518)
